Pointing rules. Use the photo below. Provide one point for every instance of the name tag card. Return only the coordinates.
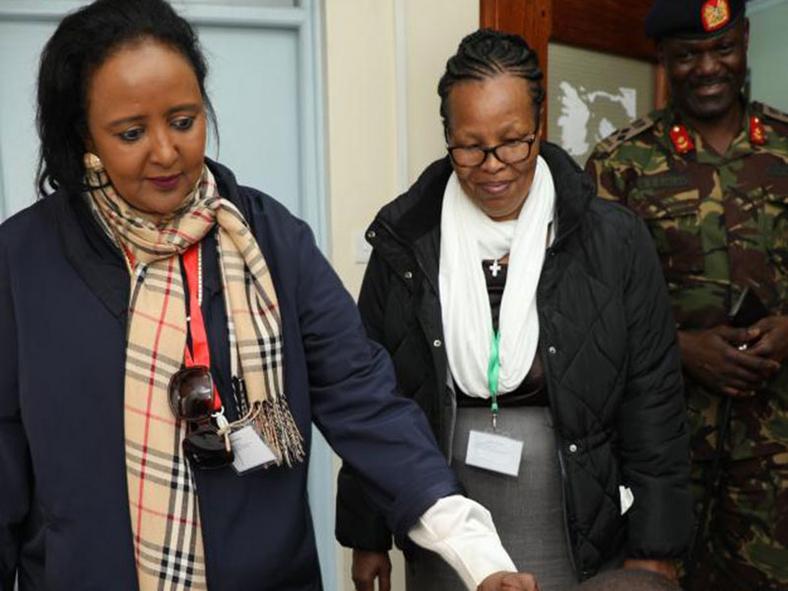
(250, 450)
(496, 453)
(627, 498)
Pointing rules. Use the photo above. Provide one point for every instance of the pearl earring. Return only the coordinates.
(92, 162)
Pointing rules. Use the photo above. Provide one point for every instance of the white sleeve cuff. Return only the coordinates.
(462, 532)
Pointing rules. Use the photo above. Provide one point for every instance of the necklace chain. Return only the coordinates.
(199, 273)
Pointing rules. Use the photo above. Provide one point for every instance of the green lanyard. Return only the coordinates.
(493, 369)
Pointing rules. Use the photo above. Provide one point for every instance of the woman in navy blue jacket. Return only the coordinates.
(166, 331)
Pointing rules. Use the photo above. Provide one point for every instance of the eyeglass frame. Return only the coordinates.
(529, 139)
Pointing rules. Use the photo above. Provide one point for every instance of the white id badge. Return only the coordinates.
(250, 450)
(494, 452)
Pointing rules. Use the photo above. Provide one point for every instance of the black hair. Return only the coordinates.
(487, 53)
(82, 42)
(628, 580)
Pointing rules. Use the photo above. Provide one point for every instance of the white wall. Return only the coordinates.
(768, 53)
(383, 61)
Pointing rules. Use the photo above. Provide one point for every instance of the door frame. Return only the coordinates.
(3, 209)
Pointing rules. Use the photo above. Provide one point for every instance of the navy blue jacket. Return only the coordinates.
(64, 518)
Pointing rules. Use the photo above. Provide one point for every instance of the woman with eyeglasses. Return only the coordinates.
(168, 336)
(531, 323)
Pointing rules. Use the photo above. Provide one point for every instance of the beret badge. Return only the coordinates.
(715, 14)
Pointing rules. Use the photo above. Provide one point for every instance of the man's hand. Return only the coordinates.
(503, 581)
(714, 359)
(368, 566)
(773, 343)
(666, 568)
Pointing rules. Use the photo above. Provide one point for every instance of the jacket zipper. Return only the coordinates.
(565, 492)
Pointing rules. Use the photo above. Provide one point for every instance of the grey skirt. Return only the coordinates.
(528, 509)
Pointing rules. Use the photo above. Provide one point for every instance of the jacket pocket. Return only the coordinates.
(592, 477)
(675, 223)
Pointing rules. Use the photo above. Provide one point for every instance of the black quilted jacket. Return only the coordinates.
(609, 352)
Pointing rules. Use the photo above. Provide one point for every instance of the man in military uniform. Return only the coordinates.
(709, 175)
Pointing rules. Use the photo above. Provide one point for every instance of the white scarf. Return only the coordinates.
(468, 236)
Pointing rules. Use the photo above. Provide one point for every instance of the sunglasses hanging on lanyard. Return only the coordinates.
(193, 394)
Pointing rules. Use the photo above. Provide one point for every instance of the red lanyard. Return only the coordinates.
(129, 258)
(200, 354)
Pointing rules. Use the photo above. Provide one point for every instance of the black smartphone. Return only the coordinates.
(747, 309)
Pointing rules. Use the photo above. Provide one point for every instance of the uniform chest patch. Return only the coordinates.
(672, 180)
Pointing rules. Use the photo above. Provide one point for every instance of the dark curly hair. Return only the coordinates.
(486, 53)
(82, 42)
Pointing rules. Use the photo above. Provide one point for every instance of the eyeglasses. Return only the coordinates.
(191, 396)
(510, 152)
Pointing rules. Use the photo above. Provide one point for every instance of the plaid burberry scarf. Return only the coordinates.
(165, 519)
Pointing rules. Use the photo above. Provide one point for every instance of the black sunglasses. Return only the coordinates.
(191, 396)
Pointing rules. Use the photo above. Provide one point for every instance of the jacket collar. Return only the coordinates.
(413, 218)
(87, 248)
(574, 190)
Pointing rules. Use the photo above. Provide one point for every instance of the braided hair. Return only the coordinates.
(487, 53)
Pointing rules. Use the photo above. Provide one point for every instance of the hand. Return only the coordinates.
(666, 568)
(368, 566)
(503, 581)
(714, 359)
(773, 343)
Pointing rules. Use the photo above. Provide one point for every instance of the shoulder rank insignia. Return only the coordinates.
(615, 139)
(715, 14)
(682, 141)
(757, 131)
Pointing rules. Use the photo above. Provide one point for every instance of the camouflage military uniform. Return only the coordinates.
(720, 223)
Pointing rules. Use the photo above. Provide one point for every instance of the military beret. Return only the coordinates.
(692, 18)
